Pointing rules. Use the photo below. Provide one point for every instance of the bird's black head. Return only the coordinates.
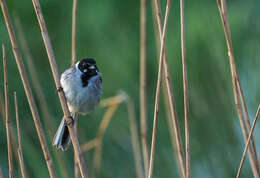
(89, 69)
(88, 66)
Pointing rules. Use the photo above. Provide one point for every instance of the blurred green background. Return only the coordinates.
(109, 32)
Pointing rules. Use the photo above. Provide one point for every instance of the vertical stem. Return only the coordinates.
(55, 72)
(185, 89)
(19, 150)
(28, 91)
(73, 38)
(158, 86)
(7, 116)
(143, 106)
(73, 59)
(247, 143)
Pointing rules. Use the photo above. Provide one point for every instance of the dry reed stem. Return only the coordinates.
(54, 68)
(19, 149)
(158, 86)
(39, 94)
(73, 59)
(28, 91)
(247, 143)
(173, 120)
(185, 89)
(236, 85)
(90, 145)
(7, 116)
(143, 105)
(73, 38)
(134, 137)
(100, 134)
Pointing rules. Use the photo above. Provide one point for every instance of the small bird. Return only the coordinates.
(82, 85)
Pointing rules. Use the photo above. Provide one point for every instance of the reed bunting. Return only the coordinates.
(82, 85)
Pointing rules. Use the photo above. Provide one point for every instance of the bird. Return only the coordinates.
(82, 86)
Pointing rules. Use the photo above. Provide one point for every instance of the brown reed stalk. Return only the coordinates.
(7, 116)
(134, 137)
(73, 38)
(28, 91)
(19, 149)
(73, 59)
(100, 134)
(54, 68)
(143, 105)
(158, 86)
(236, 85)
(185, 89)
(39, 94)
(247, 143)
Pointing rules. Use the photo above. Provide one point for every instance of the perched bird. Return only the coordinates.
(82, 85)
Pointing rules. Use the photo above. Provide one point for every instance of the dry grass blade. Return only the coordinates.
(185, 89)
(169, 98)
(19, 150)
(236, 86)
(134, 137)
(54, 68)
(143, 107)
(28, 91)
(7, 117)
(247, 143)
(100, 134)
(158, 86)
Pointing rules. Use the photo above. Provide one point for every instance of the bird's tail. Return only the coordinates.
(62, 137)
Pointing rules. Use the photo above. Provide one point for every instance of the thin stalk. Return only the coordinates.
(73, 59)
(158, 86)
(247, 143)
(223, 13)
(143, 105)
(39, 94)
(185, 89)
(7, 116)
(28, 91)
(134, 137)
(19, 149)
(55, 72)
